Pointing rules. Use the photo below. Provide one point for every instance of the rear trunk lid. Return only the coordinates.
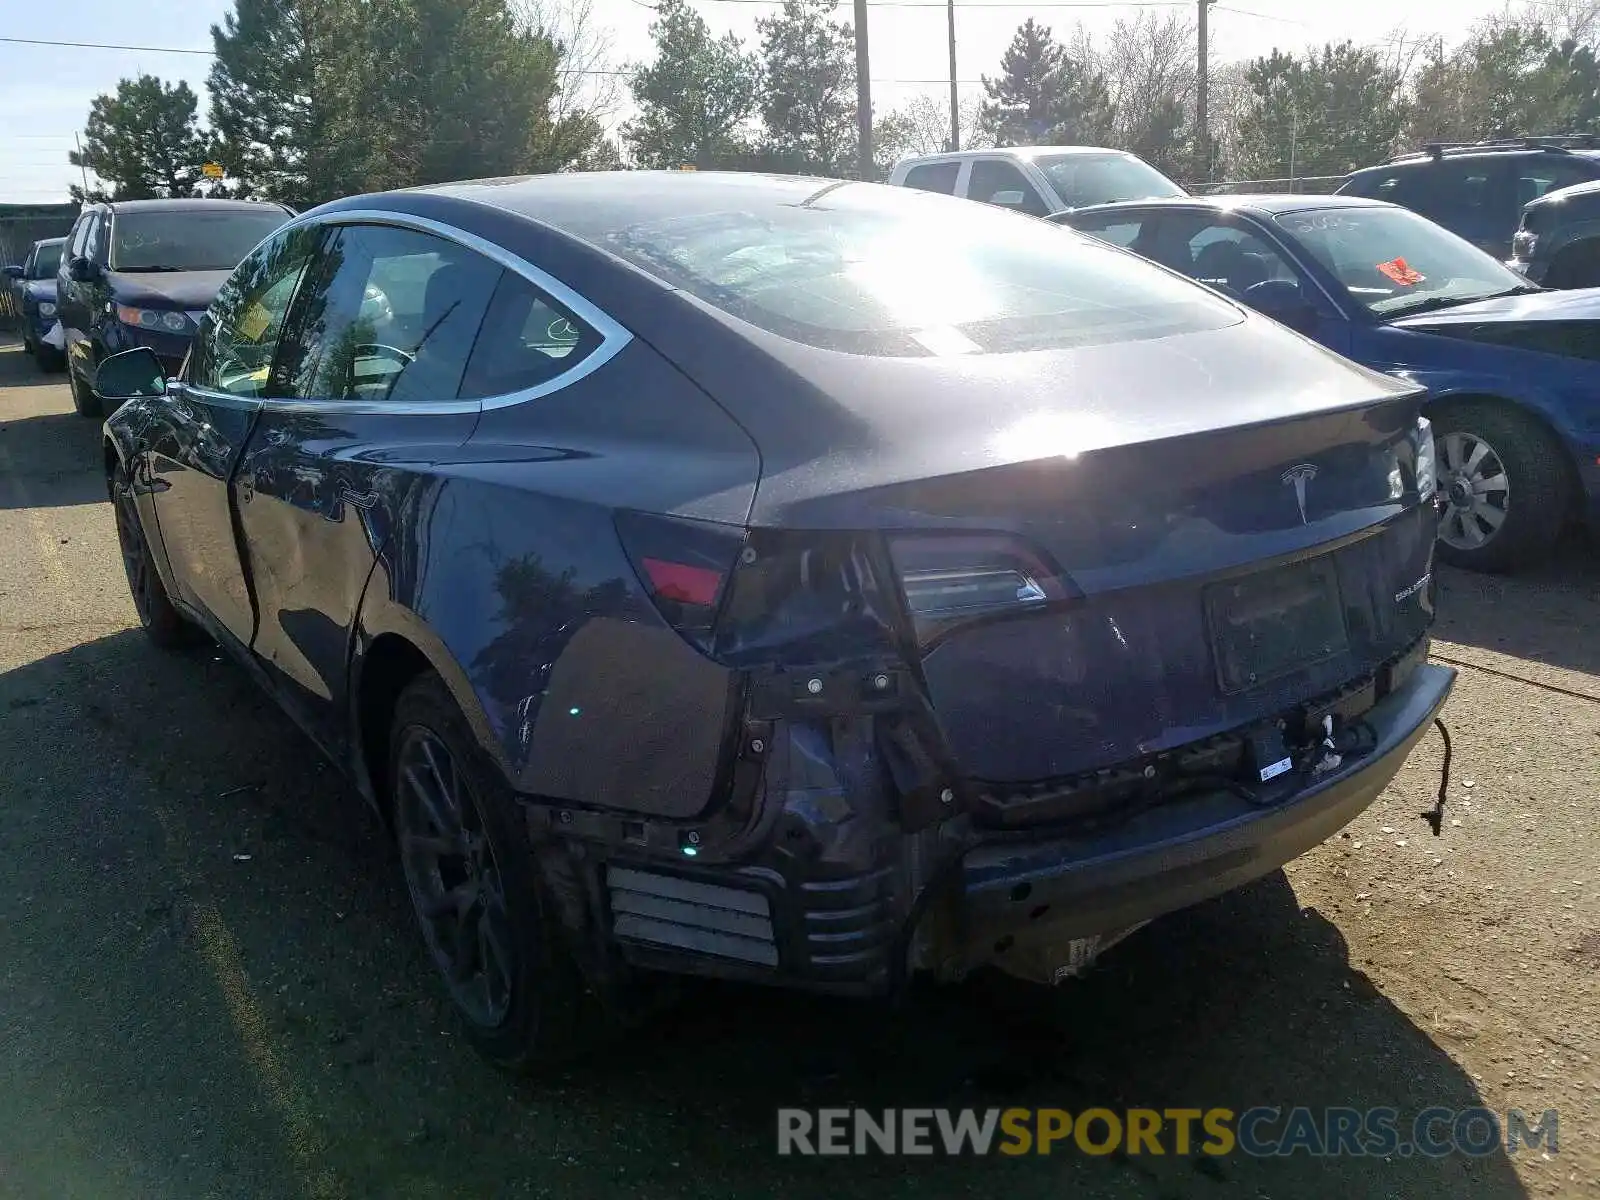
(1230, 522)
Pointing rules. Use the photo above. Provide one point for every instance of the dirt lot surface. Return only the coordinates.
(210, 984)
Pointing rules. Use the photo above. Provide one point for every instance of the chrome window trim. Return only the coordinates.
(613, 337)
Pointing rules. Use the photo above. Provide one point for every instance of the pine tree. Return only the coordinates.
(271, 103)
(1044, 96)
(695, 98)
(808, 92)
(145, 141)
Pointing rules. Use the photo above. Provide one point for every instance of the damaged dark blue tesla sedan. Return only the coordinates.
(799, 582)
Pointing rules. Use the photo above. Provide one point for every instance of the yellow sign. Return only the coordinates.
(686, 167)
(212, 170)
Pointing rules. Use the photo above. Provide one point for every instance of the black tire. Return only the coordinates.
(162, 623)
(1535, 503)
(46, 358)
(533, 1009)
(1577, 266)
(84, 402)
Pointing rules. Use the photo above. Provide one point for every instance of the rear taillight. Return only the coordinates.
(789, 597)
(1427, 461)
(951, 580)
(807, 597)
(684, 566)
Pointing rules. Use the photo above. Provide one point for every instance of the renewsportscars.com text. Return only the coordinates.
(1261, 1132)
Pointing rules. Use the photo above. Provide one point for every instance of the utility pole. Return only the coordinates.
(863, 92)
(1202, 115)
(955, 102)
(81, 167)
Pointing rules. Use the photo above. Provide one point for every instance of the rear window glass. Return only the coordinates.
(894, 272)
(1084, 179)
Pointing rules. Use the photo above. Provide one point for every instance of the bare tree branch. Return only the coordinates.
(589, 83)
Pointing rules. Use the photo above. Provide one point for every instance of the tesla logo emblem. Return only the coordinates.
(1297, 477)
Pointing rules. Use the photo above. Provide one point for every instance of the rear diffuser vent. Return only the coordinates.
(704, 918)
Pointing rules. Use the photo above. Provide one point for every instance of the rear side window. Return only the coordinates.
(934, 177)
(1539, 176)
(95, 238)
(80, 233)
(888, 271)
(995, 181)
(526, 341)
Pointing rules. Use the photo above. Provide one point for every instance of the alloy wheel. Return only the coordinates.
(1476, 491)
(454, 879)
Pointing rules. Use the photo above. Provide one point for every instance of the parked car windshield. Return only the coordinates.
(1084, 179)
(189, 239)
(45, 261)
(901, 273)
(1395, 262)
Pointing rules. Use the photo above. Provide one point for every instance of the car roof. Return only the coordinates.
(588, 205)
(1424, 157)
(1272, 204)
(60, 241)
(194, 204)
(1027, 153)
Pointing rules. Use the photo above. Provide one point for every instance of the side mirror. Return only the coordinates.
(82, 270)
(132, 373)
(1284, 302)
(14, 272)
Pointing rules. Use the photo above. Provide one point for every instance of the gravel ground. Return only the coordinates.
(210, 984)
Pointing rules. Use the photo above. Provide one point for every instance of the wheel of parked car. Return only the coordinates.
(474, 884)
(1576, 267)
(46, 358)
(1505, 487)
(159, 618)
(84, 402)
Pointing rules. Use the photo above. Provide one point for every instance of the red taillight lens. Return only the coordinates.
(684, 565)
(950, 580)
(682, 583)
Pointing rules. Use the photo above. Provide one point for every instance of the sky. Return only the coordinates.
(45, 92)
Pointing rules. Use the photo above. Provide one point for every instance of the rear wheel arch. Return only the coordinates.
(387, 662)
(1525, 412)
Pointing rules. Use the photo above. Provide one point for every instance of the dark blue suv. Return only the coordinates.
(1512, 369)
(1478, 191)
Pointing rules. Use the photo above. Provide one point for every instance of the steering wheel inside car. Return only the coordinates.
(379, 350)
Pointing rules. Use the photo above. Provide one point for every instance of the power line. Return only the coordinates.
(16, 41)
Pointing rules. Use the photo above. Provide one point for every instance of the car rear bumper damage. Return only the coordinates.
(1036, 898)
(832, 885)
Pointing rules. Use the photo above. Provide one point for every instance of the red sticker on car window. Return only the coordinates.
(1400, 271)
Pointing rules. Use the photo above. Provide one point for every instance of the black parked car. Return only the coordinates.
(1558, 243)
(141, 273)
(31, 299)
(1478, 190)
(797, 581)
